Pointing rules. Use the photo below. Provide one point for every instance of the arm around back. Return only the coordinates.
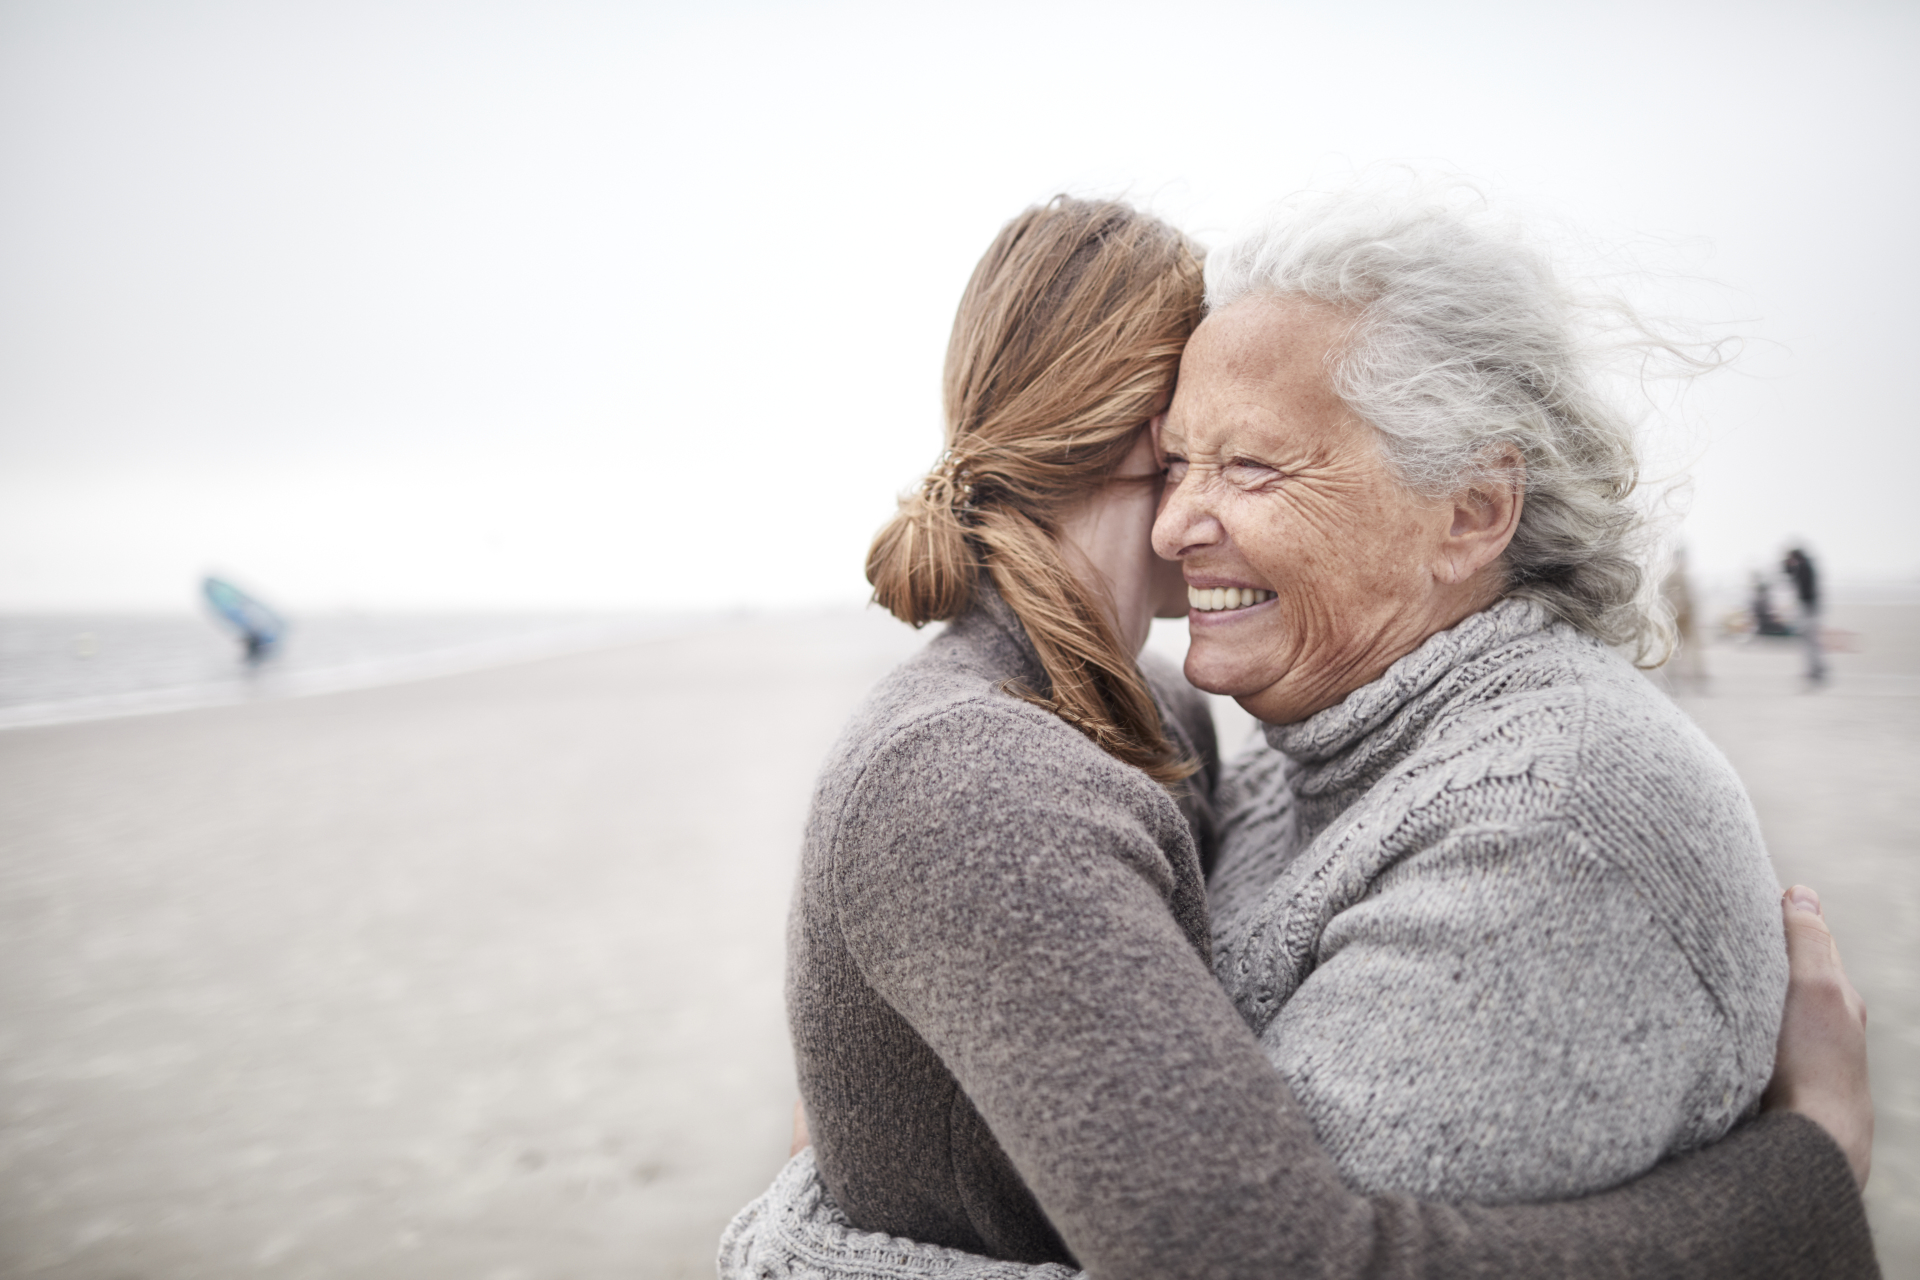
(1034, 944)
(1044, 938)
(1028, 908)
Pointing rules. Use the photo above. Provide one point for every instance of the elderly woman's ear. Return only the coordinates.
(1485, 514)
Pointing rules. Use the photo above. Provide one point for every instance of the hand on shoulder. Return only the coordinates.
(1820, 1069)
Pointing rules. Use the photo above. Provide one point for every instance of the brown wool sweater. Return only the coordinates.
(1010, 1042)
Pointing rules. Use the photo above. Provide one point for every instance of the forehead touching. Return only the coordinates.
(1257, 371)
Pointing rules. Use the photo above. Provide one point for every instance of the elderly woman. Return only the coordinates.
(1497, 910)
(1008, 1038)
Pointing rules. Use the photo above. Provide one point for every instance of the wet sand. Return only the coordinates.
(474, 977)
(479, 976)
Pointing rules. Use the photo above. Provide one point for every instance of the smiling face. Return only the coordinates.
(1311, 567)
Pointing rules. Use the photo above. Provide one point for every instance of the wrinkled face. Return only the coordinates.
(1310, 567)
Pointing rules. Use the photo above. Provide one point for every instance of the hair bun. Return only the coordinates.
(922, 564)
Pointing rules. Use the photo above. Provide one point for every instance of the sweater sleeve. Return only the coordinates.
(1774, 1198)
(1502, 1018)
(1026, 934)
(1028, 939)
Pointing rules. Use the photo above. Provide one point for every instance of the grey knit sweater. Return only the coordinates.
(1010, 1044)
(1503, 919)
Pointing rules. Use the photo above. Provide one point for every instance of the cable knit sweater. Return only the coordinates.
(1503, 919)
(1524, 901)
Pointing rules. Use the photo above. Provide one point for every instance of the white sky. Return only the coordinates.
(568, 305)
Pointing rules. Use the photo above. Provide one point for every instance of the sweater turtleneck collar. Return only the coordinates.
(991, 621)
(988, 600)
(1391, 702)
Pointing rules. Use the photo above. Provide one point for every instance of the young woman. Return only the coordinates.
(1008, 1036)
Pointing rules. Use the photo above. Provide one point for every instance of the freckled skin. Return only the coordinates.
(1273, 483)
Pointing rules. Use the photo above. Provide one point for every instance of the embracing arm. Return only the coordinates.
(1027, 928)
(1032, 945)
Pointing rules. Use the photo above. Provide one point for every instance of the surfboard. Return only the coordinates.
(259, 627)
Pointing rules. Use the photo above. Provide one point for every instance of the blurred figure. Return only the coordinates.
(1798, 566)
(258, 627)
(1689, 662)
(1766, 622)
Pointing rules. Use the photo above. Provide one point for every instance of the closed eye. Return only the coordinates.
(1251, 471)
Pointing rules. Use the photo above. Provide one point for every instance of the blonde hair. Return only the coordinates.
(1066, 342)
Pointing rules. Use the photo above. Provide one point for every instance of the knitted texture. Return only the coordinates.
(1775, 1198)
(1010, 1042)
(1502, 918)
(999, 954)
(795, 1232)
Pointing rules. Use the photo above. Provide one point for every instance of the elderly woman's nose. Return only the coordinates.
(1185, 520)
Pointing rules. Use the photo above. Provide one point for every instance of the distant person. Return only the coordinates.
(1766, 622)
(1688, 664)
(1798, 567)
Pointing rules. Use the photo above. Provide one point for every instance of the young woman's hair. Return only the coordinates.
(1066, 343)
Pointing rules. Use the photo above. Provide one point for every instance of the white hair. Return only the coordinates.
(1464, 347)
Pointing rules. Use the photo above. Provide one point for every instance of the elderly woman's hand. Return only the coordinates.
(1820, 1068)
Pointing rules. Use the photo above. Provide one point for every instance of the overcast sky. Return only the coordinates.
(564, 305)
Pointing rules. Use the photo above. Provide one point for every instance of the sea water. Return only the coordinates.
(56, 668)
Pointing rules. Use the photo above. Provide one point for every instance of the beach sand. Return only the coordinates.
(1835, 775)
(479, 976)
